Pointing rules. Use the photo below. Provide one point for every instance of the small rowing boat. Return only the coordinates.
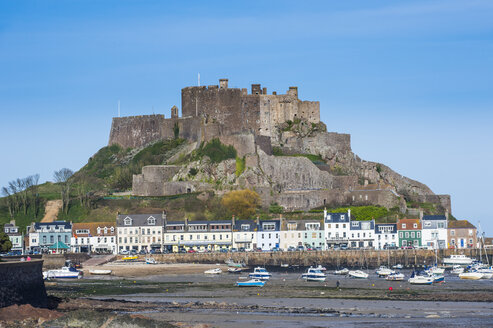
(100, 272)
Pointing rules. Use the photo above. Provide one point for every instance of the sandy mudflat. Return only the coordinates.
(141, 269)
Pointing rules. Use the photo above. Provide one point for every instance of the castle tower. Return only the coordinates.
(223, 83)
(174, 112)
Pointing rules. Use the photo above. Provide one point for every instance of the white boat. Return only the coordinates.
(260, 273)
(313, 274)
(284, 265)
(471, 275)
(251, 283)
(457, 259)
(321, 268)
(437, 277)
(233, 264)
(100, 272)
(383, 271)
(486, 275)
(341, 272)
(358, 274)
(213, 271)
(397, 276)
(435, 270)
(150, 260)
(398, 266)
(235, 270)
(457, 269)
(416, 279)
(63, 273)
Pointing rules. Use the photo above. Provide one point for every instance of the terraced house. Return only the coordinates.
(244, 234)
(292, 232)
(385, 235)
(268, 234)
(50, 236)
(140, 231)
(94, 237)
(461, 234)
(409, 231)
(361, 234)
(198, 235)
(336, 227)
(16, 238)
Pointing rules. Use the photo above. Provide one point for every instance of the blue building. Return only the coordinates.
(42, 235)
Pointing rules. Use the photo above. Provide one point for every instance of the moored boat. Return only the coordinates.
(313, 274)
(150, 260)
(457, 269)
(383, 271)
(260, 273)
(358, 274)
(130, 258)
(341, 272)
(63, 273)
(471, 275)
(457, 259)
(417, 279)
(397, 276)
(235, 270)
(435, 270)
(251, 283)
(213, 271)
(398, 266)
(100, 272)
(321, 268)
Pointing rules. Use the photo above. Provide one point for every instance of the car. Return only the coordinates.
(133, 252)
(124, 252)
(300, 248)
(343, 247)
(223, 250)
(182, 250)
(142, 252)
(386, 246)
(234, 250)
(291, 249)
(318, 248)
(191, 250)
(275, 249)
(242, 249)
(258, 249)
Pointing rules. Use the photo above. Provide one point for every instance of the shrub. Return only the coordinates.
(216, 151)
(240, 165)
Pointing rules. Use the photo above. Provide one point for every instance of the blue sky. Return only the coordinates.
(411, 81)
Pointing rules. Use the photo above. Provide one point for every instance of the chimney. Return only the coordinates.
(325, 212)
(446, 214)
(223, 83)
(233, 221)
(349, 214)
(264, 91)
(186, 222)
(274, 93)
(165, 218)
(420, 213)
(258, 221)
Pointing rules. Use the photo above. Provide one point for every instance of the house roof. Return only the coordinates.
(460, 224)
(362, 225)
(434, 217)
(238, 223)
(336, 217)
(393, 225)
(65, 224)
(409, 224)
(93, 228)
(139, 220)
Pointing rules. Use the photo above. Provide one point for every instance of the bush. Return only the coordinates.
(216, 151)
(193, 171)
(276, 208)
(240, 165)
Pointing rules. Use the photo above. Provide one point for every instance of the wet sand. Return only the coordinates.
(181, 296)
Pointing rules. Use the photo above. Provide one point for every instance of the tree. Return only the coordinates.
(241, 203)
(62, 177)
(5, 243)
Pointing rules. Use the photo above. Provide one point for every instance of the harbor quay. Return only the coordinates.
(331, 259)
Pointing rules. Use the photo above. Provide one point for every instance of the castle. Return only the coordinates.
(214, 111)
(255, 123)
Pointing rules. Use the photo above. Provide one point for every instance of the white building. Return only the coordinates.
(244, 234)
(434, 234)
(140, 231)
(385, 235)
(361, 234)
(94, 237)
(268, 234)
(336, 228)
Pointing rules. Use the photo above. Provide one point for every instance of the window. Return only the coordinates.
(344, 226)
(407, 234)
(268, 226)
(441, 225)
(401, 234)
(427, 224)
(470, 232)
(415, 226)
(99, 230)
(344, 234)
(127, 221)
(412, 234)
(418, 234)
(337, 226)
(452, 232)
(112, 229)
(245, 227)
(342, 217)
(403, 226)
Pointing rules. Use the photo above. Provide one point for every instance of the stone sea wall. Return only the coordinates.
(330, 259)
(22, 283)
